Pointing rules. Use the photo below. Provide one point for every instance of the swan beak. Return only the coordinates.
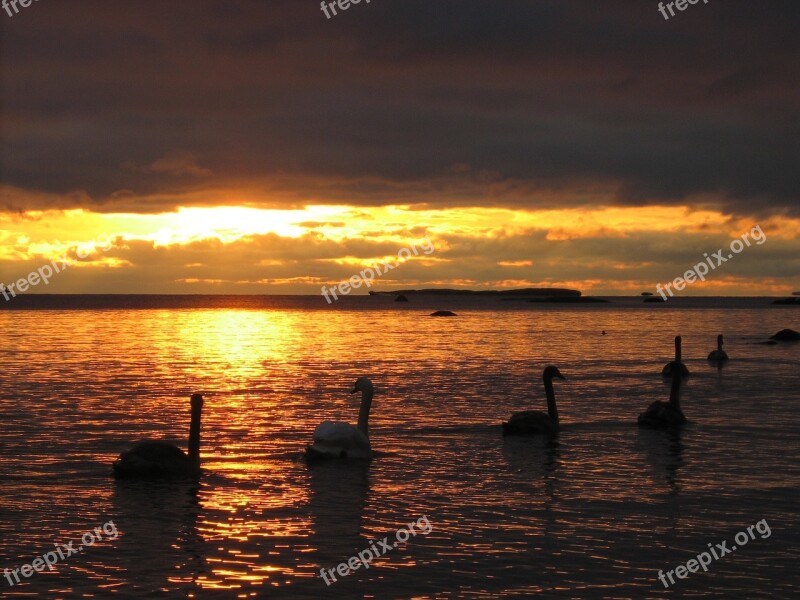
(354, 391)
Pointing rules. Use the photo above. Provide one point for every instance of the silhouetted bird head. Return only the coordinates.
(363, 384)
(551, 373)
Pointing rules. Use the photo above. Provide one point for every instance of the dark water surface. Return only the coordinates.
(594, 514)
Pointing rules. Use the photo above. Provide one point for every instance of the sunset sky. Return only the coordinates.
(255, 146)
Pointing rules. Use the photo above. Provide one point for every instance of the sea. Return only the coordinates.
(603, 510)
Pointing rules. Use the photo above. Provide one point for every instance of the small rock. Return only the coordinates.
(443, 313)
(786, 335)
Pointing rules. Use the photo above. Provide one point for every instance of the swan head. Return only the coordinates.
(363, 384)
(197, 401)
(551, 373)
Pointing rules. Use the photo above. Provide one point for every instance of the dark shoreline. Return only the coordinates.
(533, 292)
(27, 302)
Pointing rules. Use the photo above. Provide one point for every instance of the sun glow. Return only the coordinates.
(253, 250)
(52, 233)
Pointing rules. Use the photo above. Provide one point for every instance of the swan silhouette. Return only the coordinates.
(342, 440)
(531, 422)
(161, 459)
(665, 415)
(667, 370)
(719, 353)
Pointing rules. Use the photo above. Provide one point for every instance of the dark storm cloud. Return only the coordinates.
(140, 105)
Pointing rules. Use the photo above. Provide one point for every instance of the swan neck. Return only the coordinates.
(194, 434)
(551, 399)
(719, 343)
(675, 391)
(363, 414)
(678, 350)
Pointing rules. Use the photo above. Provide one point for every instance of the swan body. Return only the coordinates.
(533, 422)
(343, 440)
(530, 422)
(662, 415)
(161, 459)
(665, 415)
(340, 440)
(719, 353)
(667, 370)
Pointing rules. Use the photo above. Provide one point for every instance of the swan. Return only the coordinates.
(161, 459)
(342, 440)
(667, 370)
(534, 421)
(719, 353)
(664, 415)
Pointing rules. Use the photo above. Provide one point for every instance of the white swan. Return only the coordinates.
(342, 440)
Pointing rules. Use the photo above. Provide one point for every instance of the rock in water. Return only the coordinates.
(786, 335)
(443, 313)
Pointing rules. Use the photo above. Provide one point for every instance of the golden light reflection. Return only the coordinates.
(238, 342)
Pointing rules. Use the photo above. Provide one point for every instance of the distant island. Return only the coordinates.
(525, 292)
(519, 295)
(788, 301)
(566, 299)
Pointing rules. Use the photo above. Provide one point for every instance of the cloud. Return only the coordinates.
(508, 130)
(145, 106)
(271, 263)
(178, 164)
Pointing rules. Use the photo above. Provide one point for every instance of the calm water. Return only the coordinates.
(594, 515)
